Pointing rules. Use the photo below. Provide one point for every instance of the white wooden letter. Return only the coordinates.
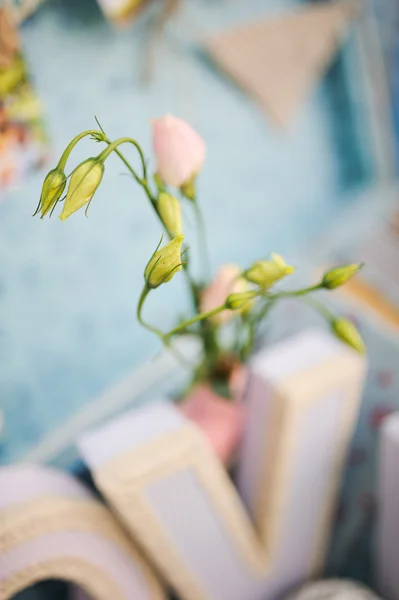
(175, 498)
(388, 507)
(51, 527)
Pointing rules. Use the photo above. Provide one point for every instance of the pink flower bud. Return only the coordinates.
(179, 150)
(227, 281)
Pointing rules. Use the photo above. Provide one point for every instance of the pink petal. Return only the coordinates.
(215, 294)
(179, 150)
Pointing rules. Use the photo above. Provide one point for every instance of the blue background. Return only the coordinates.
(68, 291)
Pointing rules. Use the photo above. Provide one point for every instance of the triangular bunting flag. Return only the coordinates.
(278, 59)
(9, 41)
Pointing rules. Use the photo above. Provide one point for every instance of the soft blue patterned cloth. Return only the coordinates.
(68, 291)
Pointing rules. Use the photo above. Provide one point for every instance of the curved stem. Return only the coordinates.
(196, 319)
(65, 155)
(127, 164)
(144, 184)
(159, 333)
(140, 305)
(125, 140)
(320, 308)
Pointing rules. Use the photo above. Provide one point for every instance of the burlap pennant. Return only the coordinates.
(277, 60)
(9, 39)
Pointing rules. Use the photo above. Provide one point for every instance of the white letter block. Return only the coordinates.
(51, 527)
(388, 509)
(210, 541)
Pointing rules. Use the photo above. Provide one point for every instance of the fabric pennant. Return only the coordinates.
(277, 60)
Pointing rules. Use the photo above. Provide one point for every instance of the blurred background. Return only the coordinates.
(314, 183)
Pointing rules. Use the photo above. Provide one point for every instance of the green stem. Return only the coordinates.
(128, 165)
(65, 155)
(144, 184)
(252, 327)
(320, 308)
(193, 288)
(159, 333)
(266, 308)
(112, 146)
(295, 293)
(250, 342)
(196, 319)
(202, 238)
(140, 305)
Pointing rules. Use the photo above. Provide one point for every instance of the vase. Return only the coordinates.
(220, 419)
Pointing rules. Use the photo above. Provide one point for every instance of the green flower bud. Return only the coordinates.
(84, 182)
(188, 188)
(265, 273)
(164, 263)
(347, 333)
(339, 275)
(170, 212)
(240, 300)
(52, 190)
(158, 182)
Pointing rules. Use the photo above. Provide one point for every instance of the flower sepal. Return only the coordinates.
(346, 331)
(83, 184)
(52, 190)
(265, 273)
(169, 210)
(339, 275)
(164, 263)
